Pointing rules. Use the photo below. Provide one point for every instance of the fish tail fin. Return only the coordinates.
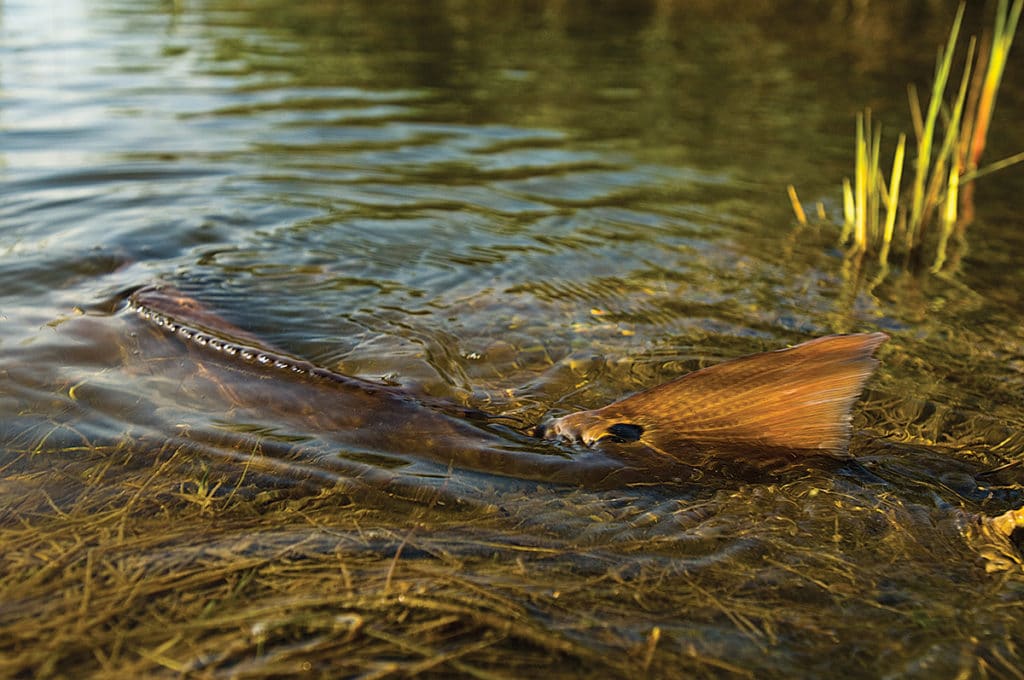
(799, 398)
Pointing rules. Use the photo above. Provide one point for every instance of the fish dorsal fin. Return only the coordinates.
(174, 305)
(797, 398)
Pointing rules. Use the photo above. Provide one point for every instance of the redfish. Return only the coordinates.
(782, 404)
(754, 414)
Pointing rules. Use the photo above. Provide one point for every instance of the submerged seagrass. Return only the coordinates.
(760, 409)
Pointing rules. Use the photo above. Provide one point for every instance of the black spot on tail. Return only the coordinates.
(624, 433)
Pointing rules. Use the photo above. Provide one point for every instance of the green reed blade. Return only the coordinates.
(861, 188)
(892, 204)
(956, 118)
(849, 211)
(874, 181)
(915, 110)
(944, 61)
(949, 213)
(947, 155)
(992, 167)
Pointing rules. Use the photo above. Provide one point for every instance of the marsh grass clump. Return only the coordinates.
(882, 218)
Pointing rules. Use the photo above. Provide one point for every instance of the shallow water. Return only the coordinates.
(523, 209)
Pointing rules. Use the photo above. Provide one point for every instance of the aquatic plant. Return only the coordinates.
(877, 215)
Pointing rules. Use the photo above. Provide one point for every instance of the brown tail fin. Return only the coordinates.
(797, 399)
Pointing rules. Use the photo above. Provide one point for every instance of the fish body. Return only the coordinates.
(786, 403)
(256, 386)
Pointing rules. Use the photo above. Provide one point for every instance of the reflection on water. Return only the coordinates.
(522, 209)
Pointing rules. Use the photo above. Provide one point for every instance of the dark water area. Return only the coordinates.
(524, 209)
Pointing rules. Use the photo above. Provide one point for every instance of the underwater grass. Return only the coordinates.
(879, 217)
(161, 563)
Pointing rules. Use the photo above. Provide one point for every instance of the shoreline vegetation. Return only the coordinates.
(881, 217)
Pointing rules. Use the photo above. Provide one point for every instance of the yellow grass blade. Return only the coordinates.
(860, 237)
(798, 209)
(893, 202)
(849, 211)
(948, 218)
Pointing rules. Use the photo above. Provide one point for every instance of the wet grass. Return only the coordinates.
(128, 563)
(883, 219)
(182, 577)
(173, 577)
